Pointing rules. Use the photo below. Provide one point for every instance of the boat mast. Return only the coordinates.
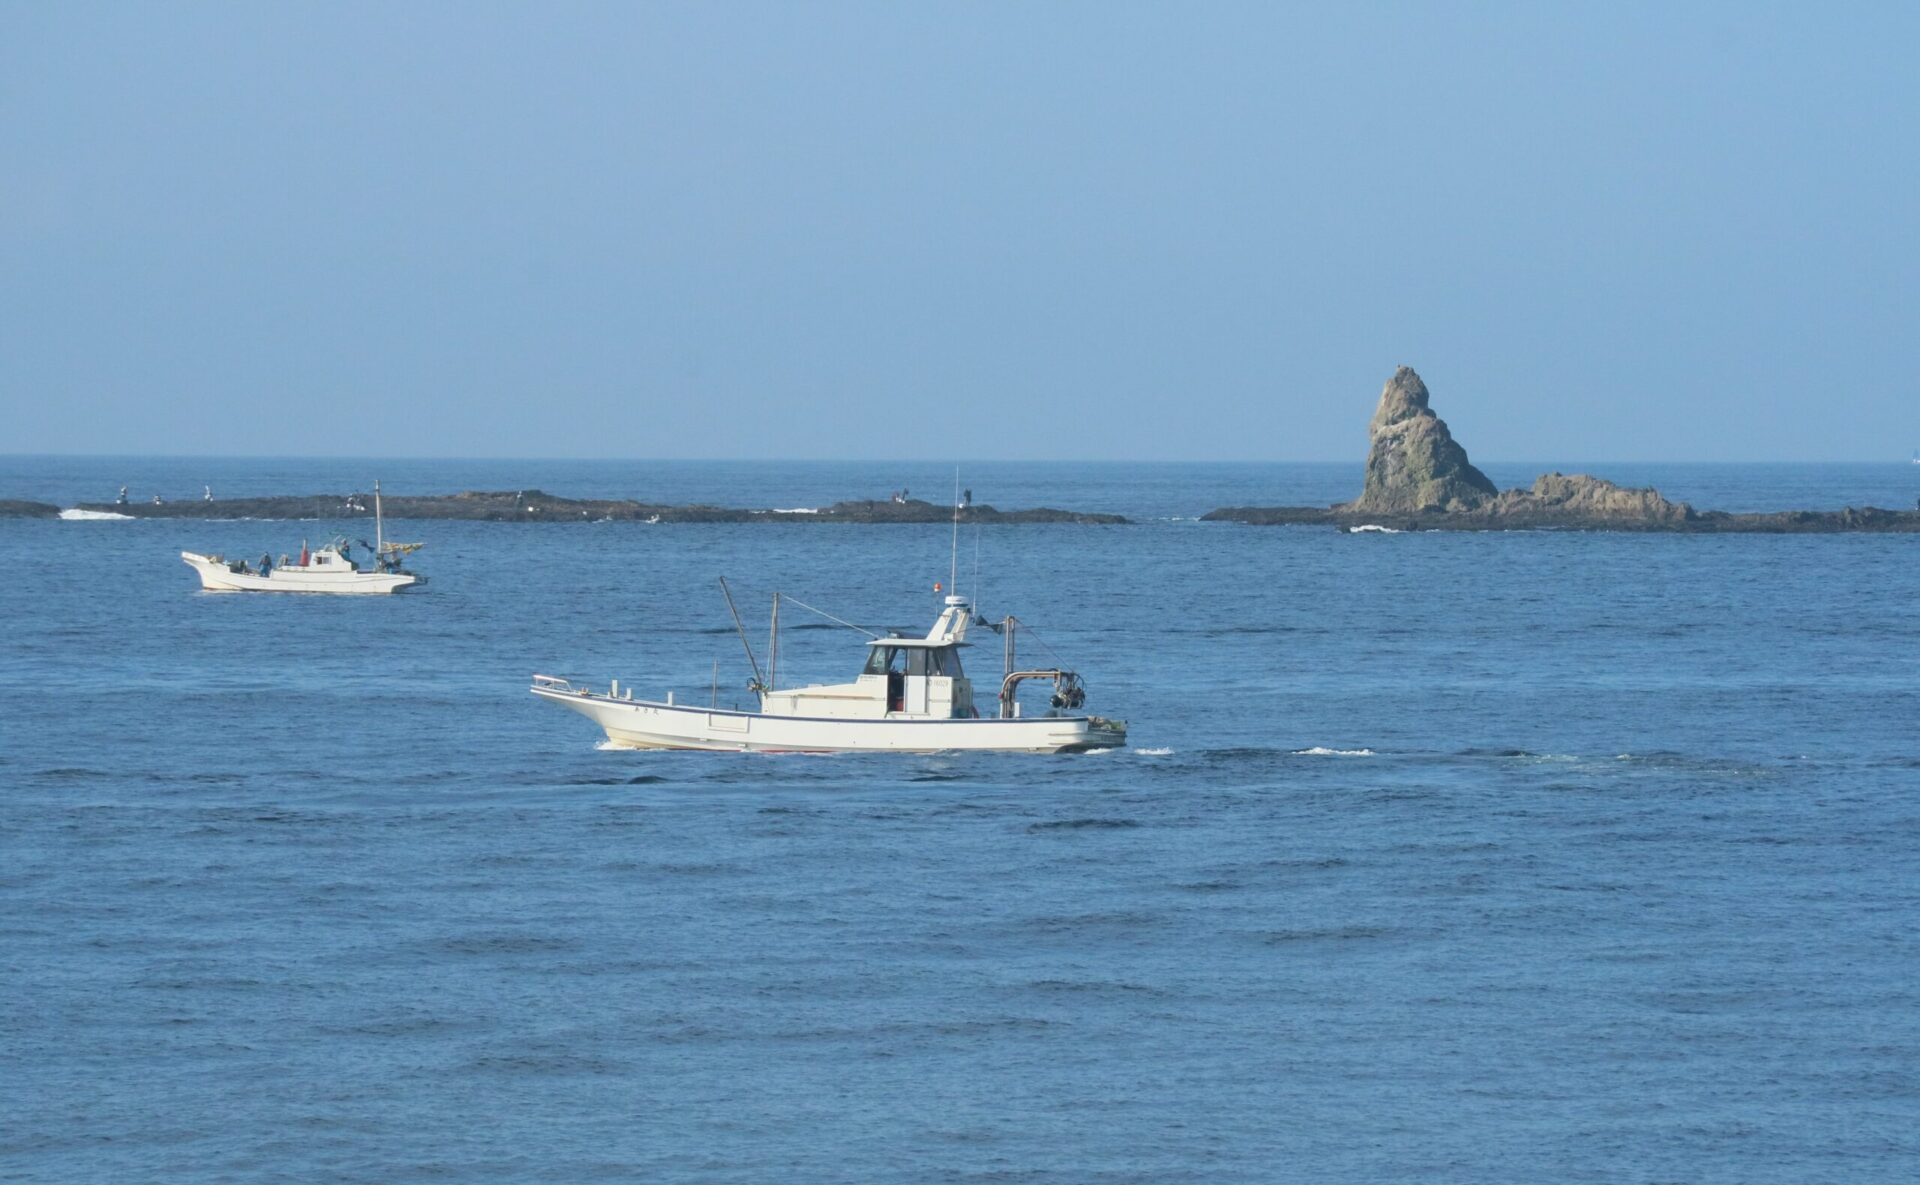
(1007, 626)
(953, 564)
(773, 644)
(759, 684)
(379, 539)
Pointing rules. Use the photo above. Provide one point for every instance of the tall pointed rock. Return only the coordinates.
(1415, 464)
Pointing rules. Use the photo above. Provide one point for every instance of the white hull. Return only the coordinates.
(642, 724)
(216, 576)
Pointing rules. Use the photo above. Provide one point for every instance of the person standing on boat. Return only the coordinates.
(266, 564)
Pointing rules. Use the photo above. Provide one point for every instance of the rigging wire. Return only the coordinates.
(830, 617)
(1027, 631)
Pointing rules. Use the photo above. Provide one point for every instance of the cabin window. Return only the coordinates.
(913, 660)
(940, 661)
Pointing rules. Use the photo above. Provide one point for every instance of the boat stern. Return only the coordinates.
(1103, 733)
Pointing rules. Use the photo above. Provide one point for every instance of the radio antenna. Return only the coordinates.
(953, 567)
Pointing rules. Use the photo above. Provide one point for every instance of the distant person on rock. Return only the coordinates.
(208, 496)
(122, 499)
(156, 500)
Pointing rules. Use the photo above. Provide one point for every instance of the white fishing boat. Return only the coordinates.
(912, 696)
(330, 569)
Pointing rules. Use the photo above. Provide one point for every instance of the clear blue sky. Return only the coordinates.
(1181, 231)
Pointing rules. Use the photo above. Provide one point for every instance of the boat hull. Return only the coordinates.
(216, 576)
(643, 724)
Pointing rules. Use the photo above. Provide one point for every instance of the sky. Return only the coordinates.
(970, 231)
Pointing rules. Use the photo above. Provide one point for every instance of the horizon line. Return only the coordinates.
(449, 457)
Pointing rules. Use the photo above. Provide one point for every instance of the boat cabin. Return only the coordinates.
(911, 678)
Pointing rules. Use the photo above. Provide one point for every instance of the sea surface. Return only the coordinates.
(1510, 857)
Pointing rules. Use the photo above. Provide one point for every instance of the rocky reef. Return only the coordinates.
(13, 508)
(1419, 478)
(538, 506)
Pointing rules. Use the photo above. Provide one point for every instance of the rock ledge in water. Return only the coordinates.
(13, 508)
(538, 506)
(1418, 478)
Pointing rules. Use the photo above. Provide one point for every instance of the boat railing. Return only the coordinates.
(555, 683)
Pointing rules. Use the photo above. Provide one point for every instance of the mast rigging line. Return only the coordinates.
(1028, 631)
(759, 682)
(860, 629)
(760, 590)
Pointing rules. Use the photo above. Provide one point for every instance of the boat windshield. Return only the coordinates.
(914, 660)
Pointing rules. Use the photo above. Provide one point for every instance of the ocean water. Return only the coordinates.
(1510, 857)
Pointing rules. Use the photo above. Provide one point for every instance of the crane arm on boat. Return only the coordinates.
(1068, 691)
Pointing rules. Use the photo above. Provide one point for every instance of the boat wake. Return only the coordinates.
(1319, 751)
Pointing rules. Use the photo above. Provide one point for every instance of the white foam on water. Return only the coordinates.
(1375, 527)
(1318, 751)
(89, 516)
(1154, 752)
(797, 510)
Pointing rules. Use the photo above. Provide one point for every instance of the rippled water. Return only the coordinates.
(1510, 857)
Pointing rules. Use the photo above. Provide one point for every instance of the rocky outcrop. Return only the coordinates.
(1414, 465)
(1868, 520)
(1557, 497)
(1419, 479)
(538, 506)
(10, 508)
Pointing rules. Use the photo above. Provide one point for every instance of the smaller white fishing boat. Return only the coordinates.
(329, 569)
